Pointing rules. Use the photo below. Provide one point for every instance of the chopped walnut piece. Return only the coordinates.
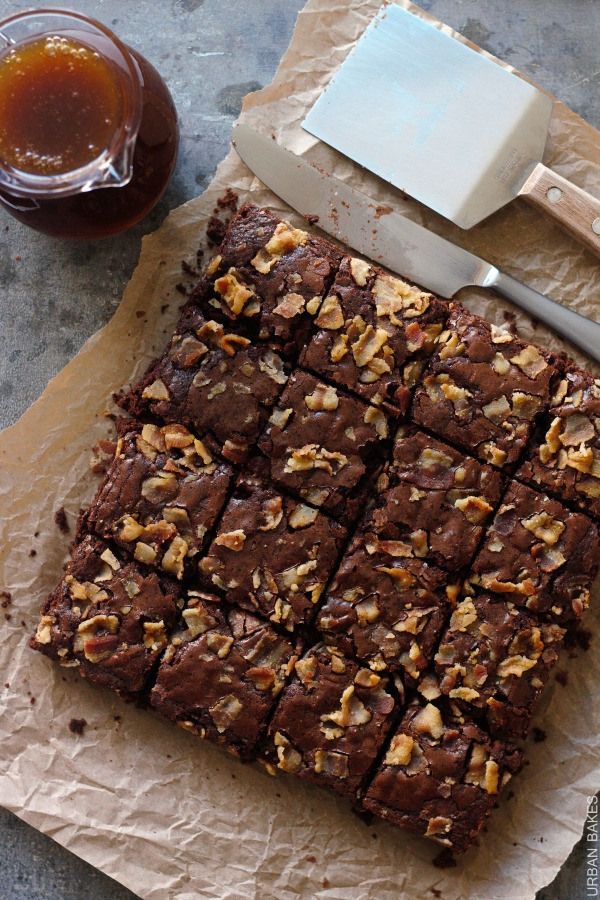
(144, 553)
(339, 348)
(155, 635)
(233, 540)
(156, 391)
(306, 669)
(272, 513)
(302, 516)
(475, 509)
(330, 316)
(174, 558)
(331, 762)
(544, 527)
(160, 488)
(225, 712)
(290, 305)
(577, 430)
(324, 397)
(497, 410)
(360, 271)
(393, 295)
(368, 345)
(43, 634)
(352, 711)
(219, 643)
(235, 294)
(429, 721)
(280, 417)
(375, 417)
(214, 264)
(530, 361)
(289, 760)
(400, 750)
(501, 334)
(311, 456)
(109, 557)
(198, 620)
(284, 239)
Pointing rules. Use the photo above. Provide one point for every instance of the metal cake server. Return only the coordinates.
(396, 242)
(449, 126)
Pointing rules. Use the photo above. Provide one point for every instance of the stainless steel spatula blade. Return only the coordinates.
(442, 123)
(450, 127)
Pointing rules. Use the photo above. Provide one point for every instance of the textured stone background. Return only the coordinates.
(55, 295)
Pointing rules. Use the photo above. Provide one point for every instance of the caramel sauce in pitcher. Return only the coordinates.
(88, 133)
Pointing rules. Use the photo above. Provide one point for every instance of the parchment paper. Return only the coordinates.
(165, 814)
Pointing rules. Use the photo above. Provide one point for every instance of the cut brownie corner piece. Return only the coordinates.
(440, 776)
(221, 674)
(323, 445)
(330, 723)
(216, 382)
(540, 554)
(272, 554)
(565, 457)
(269, 277)
(374, 335)
(494, 661)
(160, 496)
(484, 388)
(435, 500)
(386, 610)
(110, 617)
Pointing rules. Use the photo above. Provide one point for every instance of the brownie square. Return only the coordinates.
(375, 334)
(330, 722)
(322, 443)
(540, 553)
(494, 661)
(484, 388)
(441, 777)
(272, 554)
(161, 494)
(214, 381)
(221, 674)
(565, 460)
(385, 611)
(269, 277)
(435, 500)
(110, 617)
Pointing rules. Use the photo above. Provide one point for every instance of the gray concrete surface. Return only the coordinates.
(54, 295)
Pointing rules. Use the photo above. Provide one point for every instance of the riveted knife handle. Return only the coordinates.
(571, 207)
(583, 332)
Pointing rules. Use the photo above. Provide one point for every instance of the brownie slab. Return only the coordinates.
(221, 674)
(375, 334)
(494, 661)
(321, 444)
(269, 277)
(484, 388)
(330, 722)
(539, 553)
(272, 554)
(434, 499)
(161, 494)
(384, 610)
(110, 617)
(214, 381)
(441, 777)
(566, 459)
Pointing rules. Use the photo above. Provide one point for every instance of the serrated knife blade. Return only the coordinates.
(395, 241)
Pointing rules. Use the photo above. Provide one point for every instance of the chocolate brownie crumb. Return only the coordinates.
(77, 726)
(60, 517)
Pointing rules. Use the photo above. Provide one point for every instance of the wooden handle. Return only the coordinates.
(571, 207)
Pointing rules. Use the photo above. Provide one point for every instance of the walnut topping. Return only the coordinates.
(272, 511)
(367, 679)
(173, 560)
(302, 516)
(313, 305)
(214, 264)
(339, 348)
(497, 410)
(402, 577)
(393, 295)
(544, 527)
(428, 687)
(500, 364)
(284, 240)
(331, 762)
(376, 418)
(482, 771)
(463, 616)
(290, 305)
(306, 669)
(360, 271)
(352, 711)
(160, 488)
(198, 620)
(400, 750)
(430, 457)
(279, 417)
(392, 548)
(153, 435)
(43, 634)
(501, 334)
(324, 397)
(530, 361)
(233, 540)
(144, 553)
(493, 454)
(219, 643)
(475, 509)
(155, 635)
(272, 365)
(232, 343)
(110, 559)
(439, 825)
(156, 391)
(177, 436)
(577, 430)
(330, 316)
(337, 664)
(367, 611)
(311, 456)
(429, 721)
(289, 760)
(368, 345)
(451, 345)
(225, 712)
(88, 640)
(464, 693)
(235, 294)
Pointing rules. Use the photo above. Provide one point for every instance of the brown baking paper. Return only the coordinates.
(149, 804)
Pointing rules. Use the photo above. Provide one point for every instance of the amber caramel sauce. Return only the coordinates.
(60, 105)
